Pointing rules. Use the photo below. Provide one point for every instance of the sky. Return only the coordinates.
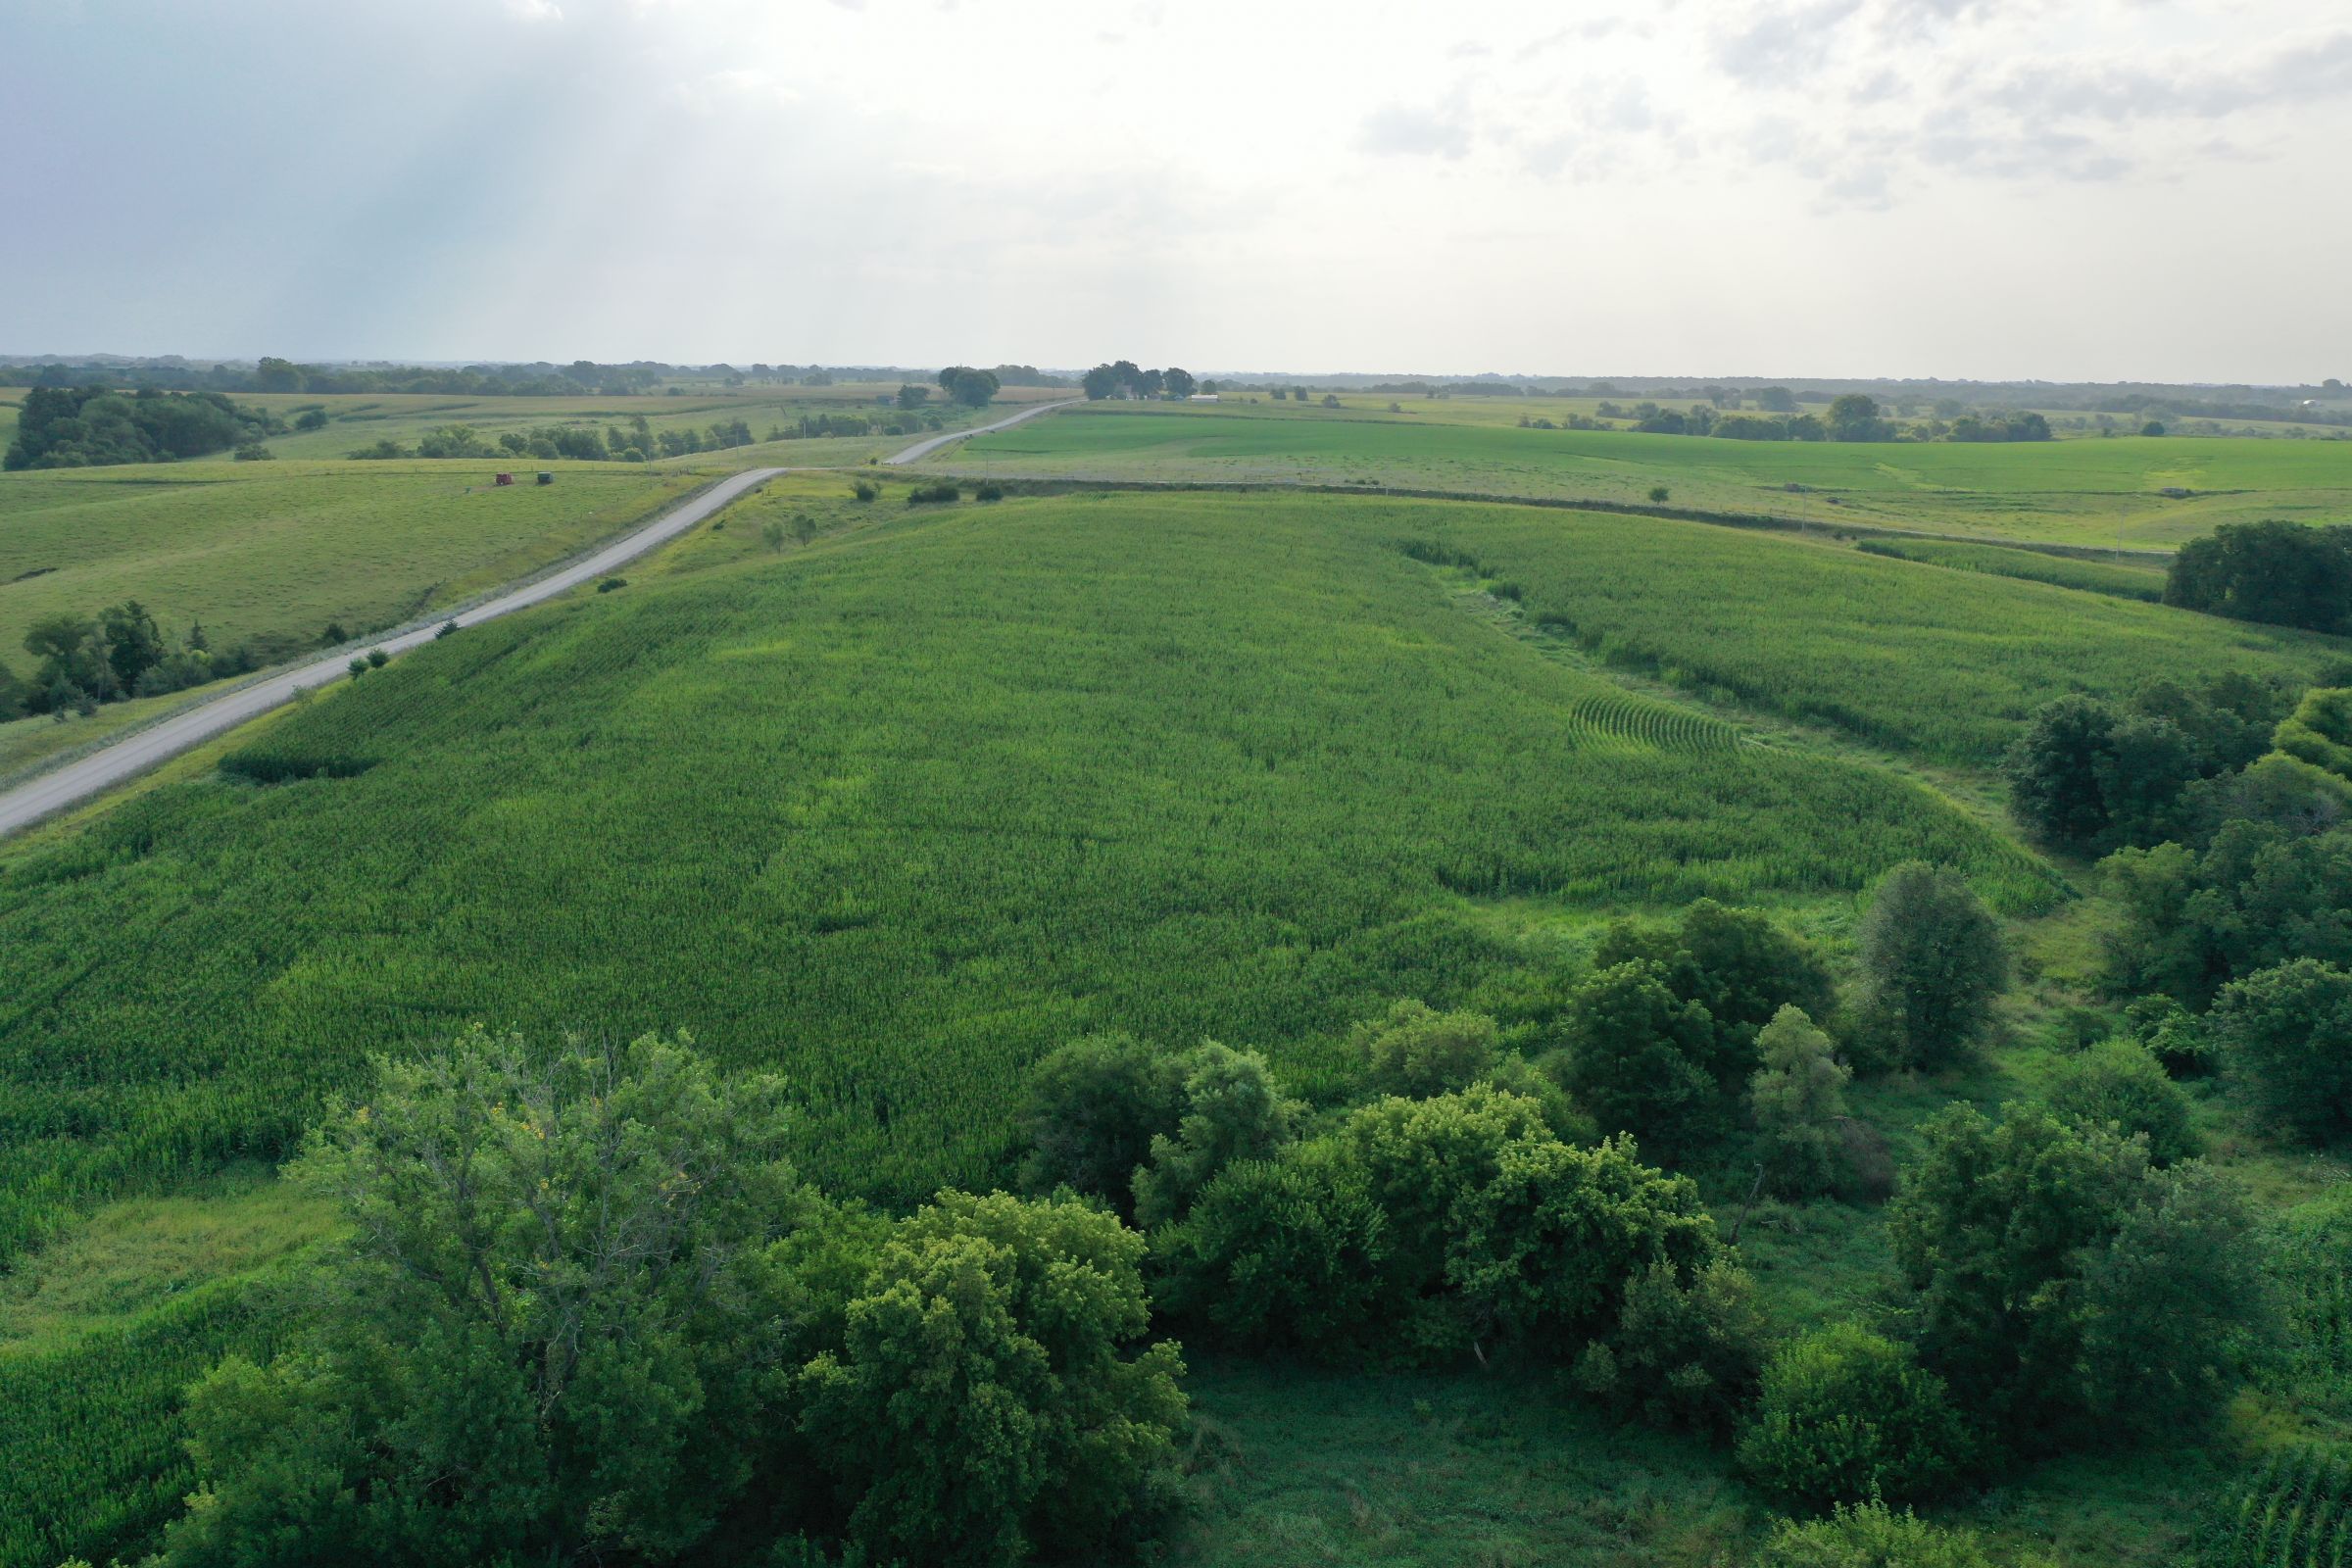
(1992, 189)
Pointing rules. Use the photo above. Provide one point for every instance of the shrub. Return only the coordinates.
(377, 659)
(359, 666)
(1231, 1108)
(1639, 1055)
(1736, 963)
(1684, 1350)
(1416, 1051)
(1932, 962)
(2118, 1084)
(1846, 1416)
(1797, 1098)
(449, 628)
(1092, 1109)
(987, 490)
(1283, 1253)
(610, 584)
(933, 494)
(557, 1407)
(2063, 1287)
(2171, 1033)
(253, 451)
(2288, 1034)
(987, 1404)
(865, 490)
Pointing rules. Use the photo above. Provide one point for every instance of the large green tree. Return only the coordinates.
(544, 1338)
(992, 1400)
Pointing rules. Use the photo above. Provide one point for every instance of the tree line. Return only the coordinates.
(83, 661)
(75, 427)
(1125, 378)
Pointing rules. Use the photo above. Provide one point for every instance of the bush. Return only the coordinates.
(865, 490)
(1932, 962)
(1285, 1253)
(253, 451)
(1846, 1416)
(610, 584)
(1090, 1112)
(377, 659)
(1416, 1051)
(2174, 1036)
(1231, 1108)
(2118, 1084)
(1797, 1098)
(1639, 1055)
(556, 1408)
(2063, 1287)
(986, 1405)
(1737, 964)
(1684, 1350)
(933, 494)
(359, 666)
(987, 490)
(2288, 1034)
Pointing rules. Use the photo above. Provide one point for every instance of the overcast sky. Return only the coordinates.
(2096, 189)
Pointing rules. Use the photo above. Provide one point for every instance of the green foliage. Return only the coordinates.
(2174, 1036)
(972, 388)
(1797, 1098)
(2119, 1084)
(2291, 1510)
(1871, 1535)
(1090, 1112)
(1735, 963)
(1640, 1059)
(987, 1403)
(2062, 1287)
(63, 427)
(2286, 1032)
(2310, 1261)
(1933, 960)
(1229, 1108)
(1684, 1350)
(1416, 1051)
(2283, 573)
(2263, 894)
(1845, 1417)
(543, 1341)
(935, 494)
(2319, 730)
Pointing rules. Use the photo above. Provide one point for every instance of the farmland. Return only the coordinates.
(897, 810)
(2091, 492)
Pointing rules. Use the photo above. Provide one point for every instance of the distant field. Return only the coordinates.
(1893, 652)
(358, 420)
(2092, 492)
(275, 551)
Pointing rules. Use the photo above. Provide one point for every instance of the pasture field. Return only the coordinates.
(897, 810)
(2087, 492)
(272, 553)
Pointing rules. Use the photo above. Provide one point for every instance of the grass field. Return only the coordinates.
(2090, 492)
(900, 809)
(274, 552)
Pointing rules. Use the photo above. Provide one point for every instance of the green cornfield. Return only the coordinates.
(1908, 656)
(895, 816)
(2125, 580)
(2292, 1511)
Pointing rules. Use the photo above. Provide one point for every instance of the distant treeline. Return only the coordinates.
(540, 378)
(80, 427)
